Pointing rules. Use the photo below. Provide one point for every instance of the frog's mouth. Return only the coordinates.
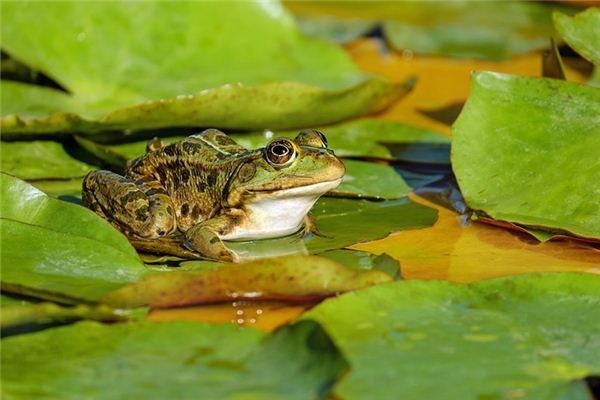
(311, 189)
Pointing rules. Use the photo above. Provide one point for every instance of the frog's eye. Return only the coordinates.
(312, 138)
(280, 152)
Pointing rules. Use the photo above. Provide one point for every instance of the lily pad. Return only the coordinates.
(174, 360)
(52, 248)
(371, 180)
(295, 278)
(40, 160)
(145, 84)
(455, 29)
(343, 222)
(530, 336)
(13, 316)
(581, 32)
(365, 261)
(533, 159)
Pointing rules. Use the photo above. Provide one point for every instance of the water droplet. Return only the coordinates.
(81, 36)
(259, 311)
(240, 312)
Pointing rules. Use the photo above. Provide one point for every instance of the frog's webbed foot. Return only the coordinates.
(310, 228)
(203, 238)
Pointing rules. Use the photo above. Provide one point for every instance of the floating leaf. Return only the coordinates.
(151, 86)
(528, 336)
(581, 32)
(40, 160)
(286, 278)
(52, 248)
(46, 313)
(456, 29)
(343, 222)
(371, 180)
(168, 360)
(536, 134)
(362, 260)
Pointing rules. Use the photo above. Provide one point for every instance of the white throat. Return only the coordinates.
(279, 213)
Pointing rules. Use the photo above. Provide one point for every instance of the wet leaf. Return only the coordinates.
(530, 336)
(169, 360)
(40, 160)
(454, 29)
(52, 249)
(14, 316)
(540, 132)
(343, 222)
(65, 189)
(294, 278)
(153, 86)
(371, 180)
(362, 260)
(365, 137)
(335, 29)
(581, 32)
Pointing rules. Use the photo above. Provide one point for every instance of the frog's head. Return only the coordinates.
(290, 168)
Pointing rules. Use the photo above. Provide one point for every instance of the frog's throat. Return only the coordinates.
(279, 213)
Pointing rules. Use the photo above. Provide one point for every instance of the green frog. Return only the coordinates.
(207, 188)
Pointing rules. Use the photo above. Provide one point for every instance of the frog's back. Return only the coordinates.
(194, 172)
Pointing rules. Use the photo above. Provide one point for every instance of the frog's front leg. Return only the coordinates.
(205, 237)
(139, 208)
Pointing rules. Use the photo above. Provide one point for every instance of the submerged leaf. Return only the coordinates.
(530, 336)
(173, 360)
(151, 86)
(294, 278)
(581, 32)
(40, 160)
(52, 248)
(533, 159)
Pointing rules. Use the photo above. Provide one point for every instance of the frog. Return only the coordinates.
(207, 189)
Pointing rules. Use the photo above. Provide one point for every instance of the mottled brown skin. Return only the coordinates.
(201, 185)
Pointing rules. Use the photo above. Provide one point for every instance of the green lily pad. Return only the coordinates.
(275, 76)
(581, 32)
(14, 316)
(365, 137)
(529, 336)
(52, 248)
(296, 278)
(365, 261)
(40, 160)
(343, 222)
(376, 181)
(455, 29)
(533, 159)
(175, 360)
(337, 30)
(60, 188)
